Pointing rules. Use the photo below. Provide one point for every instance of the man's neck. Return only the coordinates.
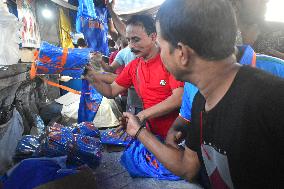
(153, 53)
(214, 79)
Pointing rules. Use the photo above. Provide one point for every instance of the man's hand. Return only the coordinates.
(110, 5)
(141, 116)
(90, 74)
(177, 132)
(130, 123)
(174, 137)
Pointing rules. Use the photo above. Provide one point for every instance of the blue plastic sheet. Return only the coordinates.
(89, 103)
(53, 60)
(111, 137)
(139, 162)
(31, 173)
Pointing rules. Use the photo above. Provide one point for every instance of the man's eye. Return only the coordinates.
(136, 40)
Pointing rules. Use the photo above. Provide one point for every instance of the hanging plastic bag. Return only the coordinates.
(10, 133)
(9, 38)
(89, 103)
(93, 23)
(56, 60)
(86, 9)
(139, 162)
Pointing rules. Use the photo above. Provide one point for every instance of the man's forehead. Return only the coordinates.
(135, 29)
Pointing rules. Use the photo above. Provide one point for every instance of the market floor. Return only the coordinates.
(112, 175)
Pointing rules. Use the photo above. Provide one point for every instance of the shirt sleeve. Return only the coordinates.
(119, 58)
(187, 99)
(174, 84)
(192, 140)
(125, 77)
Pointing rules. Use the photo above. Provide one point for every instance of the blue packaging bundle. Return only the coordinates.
(39, 125)
(27, 147)
(90, 101)
(57, 143)
(88, 150)
(111, 137)
(56, 60)
(87, 129)
(82, 144)
(139, 162)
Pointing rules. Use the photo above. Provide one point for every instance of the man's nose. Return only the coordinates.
(131, 44)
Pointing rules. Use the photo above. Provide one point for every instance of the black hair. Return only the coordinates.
(81, 42)
(111, 43)
(145, 21)
(99, 3)
(207, 26)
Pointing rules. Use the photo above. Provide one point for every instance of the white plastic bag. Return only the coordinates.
(108, 114)
(9, 36)
(10, 133)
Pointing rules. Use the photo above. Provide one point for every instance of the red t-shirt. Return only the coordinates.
(154, 84)
(112, 56)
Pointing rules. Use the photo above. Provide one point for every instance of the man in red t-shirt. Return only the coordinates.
(159, 91)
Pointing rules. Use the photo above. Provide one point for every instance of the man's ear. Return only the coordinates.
(153, 36)
(185, 53)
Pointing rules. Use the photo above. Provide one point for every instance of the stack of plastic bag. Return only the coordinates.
(81, 145)
(9, 38)
(67, 62)
(27, 148)
(111, 137)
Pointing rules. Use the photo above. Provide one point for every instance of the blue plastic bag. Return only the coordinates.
(56, 60)
(87, 8)
(31, 173)
(139, 162)
(89, 103)
(93, 23)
